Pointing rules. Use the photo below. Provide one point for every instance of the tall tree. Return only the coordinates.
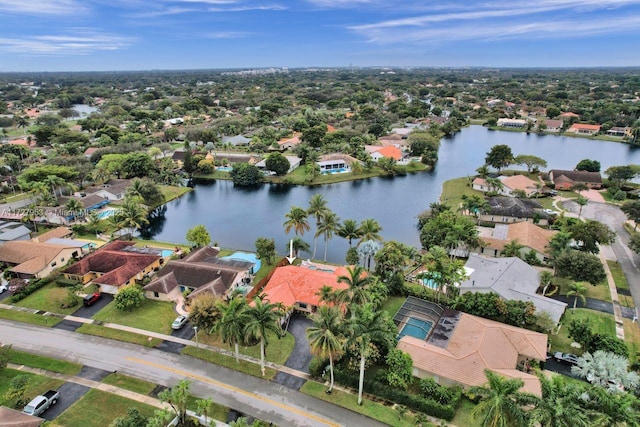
(198, 236)
(367, 327)
(349, 230)
(358, 291)
(318, 209)
(74, 208)
(561, 404)
(631, 208)
(442, 270)
(530, 161)
(577, 290)
(582, 202)
(327, 227)
(296, 220)
(232, 322)
(500, 156)
(500, 402)
(370, 230)
(263, 317)
(131, 215)
(512, 248)
(325, 336)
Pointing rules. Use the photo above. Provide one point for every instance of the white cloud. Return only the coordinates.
(42, 7)
(63, 44)
(228, 35)
(274, 7)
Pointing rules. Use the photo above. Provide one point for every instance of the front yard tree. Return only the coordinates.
(582, 202)
(232, 322)
(246, 175)
(500, 402)
(177, 397)
(560, 404)
(198, 236)
(400, 370)
(580, 266)
(325, 336)
(607, 370)
(266, 249)
(588, 165)
(500, 156)
(277, 163)
(531, 162)
(263, 317)
(133, 419)
(634, 243)
(632, 210)
(577, 290)
(205, 311)
(129, 297)
(589, 234)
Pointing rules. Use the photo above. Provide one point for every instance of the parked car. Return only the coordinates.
(568, 358)
(41, 403)
(3, 288)
(179, 322)
(550, 212)
(91, 299)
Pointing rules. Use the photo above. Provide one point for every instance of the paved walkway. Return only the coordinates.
(128, 394)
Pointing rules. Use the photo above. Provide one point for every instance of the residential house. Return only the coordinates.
(512, 209)
(199, 272)
(459, 347)
(12, 231)
(512, 279)
(584, 129)
(14, 418)
(403, 132)
(89, 151)
(510, 184)
(553, 125)
(620, 131)
(89, 203)
(565, 180)
(336, 162)
(289, 143)
(569, 115)
(114, 265)
(511, 123)
(294, 162)
(114, 189)
(530, 236)
(56, 233)
(389, 151)
(237, 140)
(298, 287)
(29, 259)
(178, 157)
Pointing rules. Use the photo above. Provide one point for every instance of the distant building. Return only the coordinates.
(565, 179)
(512, 123)
(584, 129)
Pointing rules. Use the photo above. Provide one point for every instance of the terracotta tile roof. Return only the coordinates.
(30, 257)
(526, 233)
(116, 265)
(479, 181)
(391, 151)
(551, 124)
(291, 284)
(58, 232)
(330, 129)
(520, 182)
(569, 114)
(292, 141)
(475, 345)
(12, 418)
(89, 151)
(584, 126)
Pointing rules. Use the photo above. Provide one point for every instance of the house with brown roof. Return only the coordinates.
(565, 179)
(199, 272)
(30, 258)
(289, 143)
(298, 287)
(458, 347)
(530, 236)
(13, 418)
(114, 265)
(114, 189)
(512, 279)
(56, 233)
(553, 125)
(505, 210)
(584, 129)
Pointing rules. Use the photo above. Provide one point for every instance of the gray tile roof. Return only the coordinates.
(512, 279)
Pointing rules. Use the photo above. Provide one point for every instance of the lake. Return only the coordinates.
(235, 217)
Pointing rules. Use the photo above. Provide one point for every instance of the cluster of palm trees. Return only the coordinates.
(328, 224)
(131, 216)
(351, 321)
(563, 403)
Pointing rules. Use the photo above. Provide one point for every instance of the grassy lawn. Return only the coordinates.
(599, 291)
(37, 385)
(15, 198)
(454, 189)
(34, 319)
(277, 351)
(621, 283)
(98, 408)
(155, 243)
(43, 299)
(153, 316)
(229, 362)
(392, 305)
(42, 362)
(602, 323)
(264, 269)
(217, 412)
(463, 414)
(129, 383)
(632, 338)
(377, 411)
(171, 192)
(115, 334)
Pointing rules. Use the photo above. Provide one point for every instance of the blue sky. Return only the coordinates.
(85, 35)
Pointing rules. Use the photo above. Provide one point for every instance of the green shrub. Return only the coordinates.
(66, 283)
(33, 286)
(317, 365)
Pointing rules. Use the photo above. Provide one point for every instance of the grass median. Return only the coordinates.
(34, 319)
(117, 334)
(43, 362)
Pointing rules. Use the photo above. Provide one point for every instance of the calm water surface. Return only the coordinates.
(236, 217)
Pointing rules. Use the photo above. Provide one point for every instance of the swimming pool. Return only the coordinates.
(224, 168)
(106, 213)
(338, 170)
(416, 328)
(166, 252)
(429, 283)
(245, 256)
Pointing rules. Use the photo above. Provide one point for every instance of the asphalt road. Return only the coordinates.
(255, 397)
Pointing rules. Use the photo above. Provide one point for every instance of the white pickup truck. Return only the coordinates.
(40, 403)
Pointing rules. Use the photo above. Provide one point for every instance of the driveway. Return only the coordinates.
(89, 312)
(300, 356)
(592, 195)
(186, 332)
(70, 393)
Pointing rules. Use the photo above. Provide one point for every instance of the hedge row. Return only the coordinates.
(415, 402)
(33, 286)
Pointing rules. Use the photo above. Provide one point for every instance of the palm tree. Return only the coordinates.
(74, 207)
(327, 294)
(442, 270)
(327, 227)
(231, 324)
(38, 188)
(325, 336)
(367, 327)
(578, 289)
(94, 220)
(318, 209)
(561, 404)
(296, 220)
(262, 318)
(483, 171)
(101, 175)
(546, 279)
(613, 409)
(132, 215)
(358, 291)
(299, 245)
(54, 181)
(349, 230)
(500, 402)
(512, 249)
(136, 189)
(370, 230)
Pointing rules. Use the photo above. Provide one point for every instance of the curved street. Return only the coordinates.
(253, 396)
